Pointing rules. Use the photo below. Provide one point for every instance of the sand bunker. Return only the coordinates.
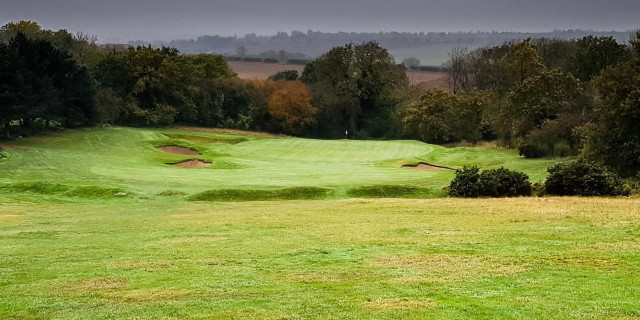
(191, 163)
(8, 146)
(425, 166)
(179, 150)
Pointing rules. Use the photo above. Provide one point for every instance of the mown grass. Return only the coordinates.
(126, 158)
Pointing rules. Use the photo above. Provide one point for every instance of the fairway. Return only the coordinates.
(127, 159)
(97, 224)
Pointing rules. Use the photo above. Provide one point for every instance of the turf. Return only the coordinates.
(529, 258)
(126, 158)
(95, 225)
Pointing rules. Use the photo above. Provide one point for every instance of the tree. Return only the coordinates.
(353, 87)
(521, 62)
(460, 73)
(426, 120)
(159, 80)
(241, 51)
(440, 116)
(595, 54)
(11, 29)
(290, 108)
(85, 48)
(614, 136)
(540, 98)
(411, 63)
(39, 83)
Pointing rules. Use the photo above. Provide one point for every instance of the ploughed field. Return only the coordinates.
(262, 71)
(102, 223)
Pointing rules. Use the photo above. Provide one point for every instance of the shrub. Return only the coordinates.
(504, 183)
(532, 150)
(285, 75)
(470, 183)
(465, 184)
(583, 178)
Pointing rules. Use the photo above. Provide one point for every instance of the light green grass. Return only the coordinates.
(522, 258)
(126, 158)
(95, 225)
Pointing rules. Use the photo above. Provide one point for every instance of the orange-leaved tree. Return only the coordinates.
(289, 107)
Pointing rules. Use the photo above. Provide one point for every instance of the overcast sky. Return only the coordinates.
(124, 20)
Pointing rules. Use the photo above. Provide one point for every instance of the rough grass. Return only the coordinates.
(525, 258)
(294, 193)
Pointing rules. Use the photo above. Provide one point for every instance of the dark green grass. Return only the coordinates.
(61, 190)
(294, 193)
(394, 191)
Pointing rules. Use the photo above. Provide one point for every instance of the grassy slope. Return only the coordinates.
(125, 158)
(530, 258)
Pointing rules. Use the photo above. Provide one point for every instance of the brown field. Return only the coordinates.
(258, 70)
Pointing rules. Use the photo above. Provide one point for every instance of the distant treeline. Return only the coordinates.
(314, 43)
(544, 97)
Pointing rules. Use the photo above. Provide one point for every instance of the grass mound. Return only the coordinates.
(294, 193)
(201, 139)
(38, 187)
(56, 189)
(96, 192)
(169, 193)
(391, 191)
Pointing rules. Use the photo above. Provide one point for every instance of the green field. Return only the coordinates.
(95, 224)
(126, 158)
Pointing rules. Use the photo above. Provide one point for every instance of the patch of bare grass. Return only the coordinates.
(396, 304)
(149, 295)
(452, 266)
(143, 265)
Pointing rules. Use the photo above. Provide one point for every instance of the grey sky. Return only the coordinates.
(123, 20)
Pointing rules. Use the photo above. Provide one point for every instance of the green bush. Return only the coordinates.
(532, 150)
(503, 182)
(285, 75)
(465, 184)
(583, 178)
(470, 183)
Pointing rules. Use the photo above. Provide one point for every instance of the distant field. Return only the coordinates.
(257, 70)
(97, 224)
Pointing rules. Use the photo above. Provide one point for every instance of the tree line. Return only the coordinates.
(545, 98)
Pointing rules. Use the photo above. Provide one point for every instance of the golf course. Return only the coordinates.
(198, 223)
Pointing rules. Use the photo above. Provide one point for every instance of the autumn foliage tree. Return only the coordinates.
(290, 108)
